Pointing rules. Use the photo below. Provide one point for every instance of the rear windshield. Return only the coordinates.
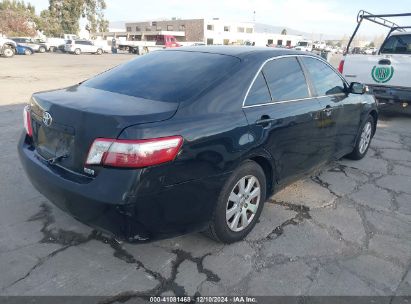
(397, 44)
(170, 76)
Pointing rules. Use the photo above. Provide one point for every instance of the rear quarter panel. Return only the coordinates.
(214, 128)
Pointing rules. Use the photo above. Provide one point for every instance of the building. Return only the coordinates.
(209, 31)
(183, 30)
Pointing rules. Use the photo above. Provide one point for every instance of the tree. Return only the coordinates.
(49, 24)
(17, 18)
(67, 13)
(371, 44)
(284, 32)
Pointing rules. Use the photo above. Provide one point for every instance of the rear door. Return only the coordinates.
(82, 46)
(91, 47)
(340, 115)
(284, 119)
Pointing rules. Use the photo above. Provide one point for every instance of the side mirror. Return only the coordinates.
(357, 88)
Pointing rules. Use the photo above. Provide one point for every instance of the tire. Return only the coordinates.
(228, 213)
(8, 52)
(52, 49)
(77, 51)
(27, 52)
(42, 49)
(364, 139)
(99, 52)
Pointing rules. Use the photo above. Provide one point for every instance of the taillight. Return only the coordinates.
(27, 121)
(133, 153)
(341, 66)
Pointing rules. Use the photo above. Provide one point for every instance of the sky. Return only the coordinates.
(328, 17)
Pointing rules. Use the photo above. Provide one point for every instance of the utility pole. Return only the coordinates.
(254, 16)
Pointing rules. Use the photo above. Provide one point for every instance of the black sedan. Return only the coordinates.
(191, 139)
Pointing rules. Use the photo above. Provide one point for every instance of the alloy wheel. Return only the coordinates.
(8, 52)
(365, 137)
(243, 202)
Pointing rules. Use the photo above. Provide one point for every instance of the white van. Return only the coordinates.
(304, 45)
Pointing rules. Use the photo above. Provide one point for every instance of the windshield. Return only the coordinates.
(170, 76)
(397, 44)
(302, 43)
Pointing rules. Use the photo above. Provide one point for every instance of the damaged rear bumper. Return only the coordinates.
(104, 202)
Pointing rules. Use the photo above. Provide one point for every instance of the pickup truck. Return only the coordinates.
(141, 47)
(7, 47)
(387, 73)
(51, 44)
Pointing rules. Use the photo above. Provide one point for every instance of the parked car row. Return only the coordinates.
(28, 46)
(37, 46)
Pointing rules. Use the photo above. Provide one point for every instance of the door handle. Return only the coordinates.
(264, 121)
(384, 62)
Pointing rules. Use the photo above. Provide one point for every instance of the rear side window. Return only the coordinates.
(170, 76)
(324, 79)
(398, 44)
(285, 79)
(258, 93)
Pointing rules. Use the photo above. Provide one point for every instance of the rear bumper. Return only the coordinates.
(105, 202)
(392, 99)
(392, 94)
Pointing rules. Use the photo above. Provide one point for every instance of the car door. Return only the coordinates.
(90, 47)
(341, 111)
(284, 118)
(20, 41)
(81, 45)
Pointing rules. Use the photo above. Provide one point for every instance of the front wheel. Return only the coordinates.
(364, 139)
(8, 52)
(77, 51)
(239, 204)
(99, 52)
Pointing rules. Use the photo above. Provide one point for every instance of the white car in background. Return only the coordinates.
(304, 45)
(371, 51)
(82, 46)
(319, 45)
(7, 47)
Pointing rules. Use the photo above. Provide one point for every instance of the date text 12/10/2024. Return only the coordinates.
(203, 299)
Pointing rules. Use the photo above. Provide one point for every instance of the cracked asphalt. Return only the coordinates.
(344, 230)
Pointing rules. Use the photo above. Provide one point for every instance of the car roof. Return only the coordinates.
(241, 51)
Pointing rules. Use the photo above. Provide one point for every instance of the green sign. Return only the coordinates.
(382, 74)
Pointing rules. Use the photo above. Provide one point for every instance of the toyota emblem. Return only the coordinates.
(47, 120)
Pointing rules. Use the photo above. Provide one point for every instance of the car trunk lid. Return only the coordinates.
(66, 122)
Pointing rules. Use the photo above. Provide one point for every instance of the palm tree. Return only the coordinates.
(284, 32)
